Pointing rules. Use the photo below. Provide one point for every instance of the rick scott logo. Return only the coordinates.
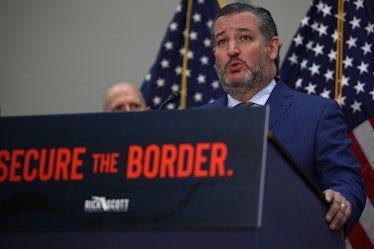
(103, 204)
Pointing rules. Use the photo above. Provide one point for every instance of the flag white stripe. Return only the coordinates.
(366, 220)
(364, 134)
(348, 245)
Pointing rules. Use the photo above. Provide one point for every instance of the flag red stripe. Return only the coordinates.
(371, 120)
(367, 170)
(359, 239)
(360, 236)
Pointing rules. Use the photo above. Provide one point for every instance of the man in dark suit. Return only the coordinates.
(311, 128)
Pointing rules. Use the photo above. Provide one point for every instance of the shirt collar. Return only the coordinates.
(259, 99)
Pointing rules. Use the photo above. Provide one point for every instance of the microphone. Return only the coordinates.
(170, 99)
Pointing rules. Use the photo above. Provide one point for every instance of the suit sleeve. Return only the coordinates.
(336, 164)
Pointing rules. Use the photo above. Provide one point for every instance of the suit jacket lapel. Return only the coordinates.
(279, 102)
(221, 102)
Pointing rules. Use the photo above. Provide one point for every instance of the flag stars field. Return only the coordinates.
(185, 59)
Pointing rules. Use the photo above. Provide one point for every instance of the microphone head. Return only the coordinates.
(171, 98)
(174, 96)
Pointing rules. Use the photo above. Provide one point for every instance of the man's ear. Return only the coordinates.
(274, 47)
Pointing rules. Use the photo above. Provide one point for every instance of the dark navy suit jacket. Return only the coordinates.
(312, 129)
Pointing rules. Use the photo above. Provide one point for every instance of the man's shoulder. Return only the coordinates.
(218, 103)
(302, 96)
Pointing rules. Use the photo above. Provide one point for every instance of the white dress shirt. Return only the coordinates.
(259, 99)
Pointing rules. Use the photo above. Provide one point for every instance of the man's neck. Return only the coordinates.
(245, 97)
(259, 99)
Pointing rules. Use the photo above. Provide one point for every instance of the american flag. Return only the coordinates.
(318, 62)
(185, 60)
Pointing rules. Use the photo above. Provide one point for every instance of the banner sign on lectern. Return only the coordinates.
(146, 170)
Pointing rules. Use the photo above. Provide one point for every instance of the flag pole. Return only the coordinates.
(221, 3)
(183, 99)
(339, 54)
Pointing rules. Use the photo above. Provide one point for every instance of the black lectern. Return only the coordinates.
(176, 179)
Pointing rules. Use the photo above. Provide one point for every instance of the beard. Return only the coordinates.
(251, 80)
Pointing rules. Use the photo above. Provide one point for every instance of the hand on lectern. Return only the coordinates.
(339, 211)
